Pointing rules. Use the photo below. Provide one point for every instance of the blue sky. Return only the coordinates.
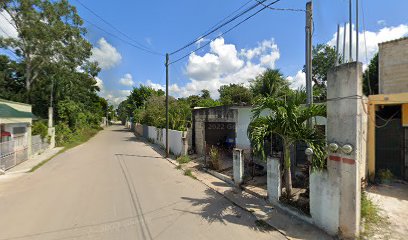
(270, 39)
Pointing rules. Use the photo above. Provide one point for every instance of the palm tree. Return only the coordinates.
(286, 117)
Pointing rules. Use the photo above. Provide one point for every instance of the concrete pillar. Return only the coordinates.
(29, 146)
(346, 125)
(184, 139)
(51, 134)
(50, 117)
(273, 179)
(238, 166)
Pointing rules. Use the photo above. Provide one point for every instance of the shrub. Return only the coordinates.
(385, 175)
(215, 157)
(63, 134)
(40, 128)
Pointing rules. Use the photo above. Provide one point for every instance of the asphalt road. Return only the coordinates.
(117, 187)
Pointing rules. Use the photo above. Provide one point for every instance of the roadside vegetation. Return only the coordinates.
(372, 219)
(52, 66)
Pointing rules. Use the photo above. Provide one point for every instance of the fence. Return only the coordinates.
(11, 154)
(177, 139)
(38, 144)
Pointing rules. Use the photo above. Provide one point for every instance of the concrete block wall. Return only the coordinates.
(273, 179)
(393, 66)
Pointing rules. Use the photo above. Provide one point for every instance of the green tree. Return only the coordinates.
(269, 83)
(205, 94)
(370, 77)
(324, 58)
(49, 32)
(287, 118)
(235, 94)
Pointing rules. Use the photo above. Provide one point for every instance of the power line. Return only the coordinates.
(281, 9)
(123, 40)
(229, 30)
(220, 26)
(115, 28)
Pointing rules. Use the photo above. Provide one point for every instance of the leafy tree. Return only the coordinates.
(205, 94)
(269, 83)
(235, 94)
(370, 77)
(287, 118)
(48, 32)
(11, 80)
(324, 58)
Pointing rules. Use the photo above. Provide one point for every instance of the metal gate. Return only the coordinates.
(389, 147)
(11, 154)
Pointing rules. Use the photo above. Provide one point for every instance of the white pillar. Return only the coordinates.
(273, 179)
(238, 166)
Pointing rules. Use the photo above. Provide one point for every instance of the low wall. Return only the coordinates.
(325, 201)
(178, 140)
(38, 144)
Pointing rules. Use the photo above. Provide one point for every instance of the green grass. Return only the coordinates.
(189, 173)
(183, 159)
(76, 140)
(371, 213)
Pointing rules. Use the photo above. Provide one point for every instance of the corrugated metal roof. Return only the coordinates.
(8, 112)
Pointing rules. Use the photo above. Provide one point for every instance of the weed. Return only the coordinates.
(214, 157)
(183, 159)
(371, 215)
(189, 173)
(178, 167)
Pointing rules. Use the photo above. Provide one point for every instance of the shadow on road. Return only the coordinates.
(214, 208)
(134, 155)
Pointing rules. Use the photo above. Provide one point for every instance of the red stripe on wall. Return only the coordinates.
(335, 158)
(349, 161)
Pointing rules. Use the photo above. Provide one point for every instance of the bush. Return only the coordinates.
(215, 157)
(63, 134)
(40, 128)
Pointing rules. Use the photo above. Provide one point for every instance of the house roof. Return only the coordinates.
(8, 112)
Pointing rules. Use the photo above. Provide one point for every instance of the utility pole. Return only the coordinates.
(344, 42)
(309, 31)
(350, 31)
(167, 105)
(337, 45)
(357, 41)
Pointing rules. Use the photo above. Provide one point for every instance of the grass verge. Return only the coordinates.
(183, 159)
(76, 140)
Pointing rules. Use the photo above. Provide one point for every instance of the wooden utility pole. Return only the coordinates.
(309, 30)
(167, 105)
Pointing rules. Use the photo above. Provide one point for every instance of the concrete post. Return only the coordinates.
(238, 166)
(347, 125)
(50, 117)
(273, 179)
(29, 145)
(184, 138)
(51, 129)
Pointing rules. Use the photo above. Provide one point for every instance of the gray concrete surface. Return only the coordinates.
(115, 187)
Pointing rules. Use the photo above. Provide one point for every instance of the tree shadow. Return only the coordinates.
(216, 208)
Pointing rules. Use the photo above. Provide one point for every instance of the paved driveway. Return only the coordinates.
(115, 187)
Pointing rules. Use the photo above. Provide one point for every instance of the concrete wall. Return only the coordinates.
(393, 66)
(215, 114)
(178, 141)
(243, 120)
(335, 195)
(325, 201)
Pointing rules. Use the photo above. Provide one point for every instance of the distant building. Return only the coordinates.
(388, 112)
(15, 131)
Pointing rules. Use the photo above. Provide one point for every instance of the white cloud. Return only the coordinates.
(372, 39)
(105, 54)
(99, 83)
(114, 97)
(297, 81)
(224, 64)
(7, 30)
(127, 80)
(153, 85)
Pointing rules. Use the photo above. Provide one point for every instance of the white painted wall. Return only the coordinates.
(158, 136)
(325, 201)
(244, 118)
